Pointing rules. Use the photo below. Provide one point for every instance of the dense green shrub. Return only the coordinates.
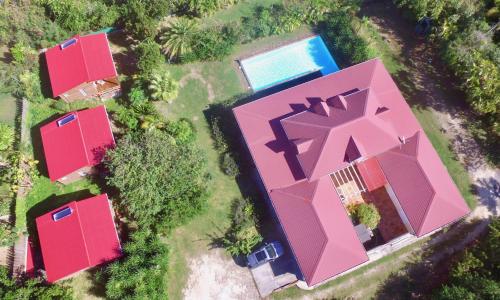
(30, 289)
(229, 165)
(476, 274)
(6, 136)
(288, 16)
(127, 117)
(137, 96)
(219, 140)
(161, 86)
(200, 8)
(141, 17)
(149, 57)
(79, 16)
(140, 273)
(243, 235)
(183, 131)
(213, 43)
(8, 234)
(340, 37)
(5, 204)
(367, 214)
(23, 22)
(162, 183)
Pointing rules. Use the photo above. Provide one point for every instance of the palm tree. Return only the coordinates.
(177, 38)
(163, 87)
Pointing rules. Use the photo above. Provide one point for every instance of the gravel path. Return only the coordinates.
(215, 276)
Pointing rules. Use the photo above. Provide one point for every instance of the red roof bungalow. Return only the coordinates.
(341, 140)
(81, 68)
(75, 143)
(77, 236)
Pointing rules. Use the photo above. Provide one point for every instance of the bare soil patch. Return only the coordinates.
(215, 276)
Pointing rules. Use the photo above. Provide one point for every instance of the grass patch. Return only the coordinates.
(46, 195)
(442, 145)
(8, 109)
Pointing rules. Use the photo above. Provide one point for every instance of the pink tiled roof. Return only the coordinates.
(84, 239)
(80, 143)
(318, 228)
(416, 174)
(297, 137)
(87, 60)
(340, 133)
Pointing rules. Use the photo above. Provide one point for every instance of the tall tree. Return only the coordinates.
(140, 274)
(162, 182)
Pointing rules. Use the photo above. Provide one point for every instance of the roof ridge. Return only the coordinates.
(375, 65)
(80, 43)
(83, 138)
(305, 123)
(321, 148)
(83, 233)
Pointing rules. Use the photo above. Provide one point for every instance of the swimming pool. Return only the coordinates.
(288, 62)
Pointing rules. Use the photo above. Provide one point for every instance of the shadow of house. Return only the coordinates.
(43, 73)
(36, 141)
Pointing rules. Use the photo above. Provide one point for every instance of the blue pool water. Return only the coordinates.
(288, 62)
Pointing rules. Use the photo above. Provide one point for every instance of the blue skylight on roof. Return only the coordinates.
(66, 120)
(63, 213)
(68, 43)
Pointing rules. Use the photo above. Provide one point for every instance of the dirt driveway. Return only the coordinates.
(215, 276)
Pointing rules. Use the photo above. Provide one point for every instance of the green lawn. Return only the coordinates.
(8, 109)
(194, 238)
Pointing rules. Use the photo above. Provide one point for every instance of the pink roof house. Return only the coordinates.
(345, 138)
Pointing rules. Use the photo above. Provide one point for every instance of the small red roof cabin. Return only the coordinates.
(77, 236)
(75, 143)
(327, 145)
(82, 68)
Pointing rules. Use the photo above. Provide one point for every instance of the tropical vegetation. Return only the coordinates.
(140, 273)
(242, 236)
(6, 136)
(178, 37)
(367, 214)
(23, 288)
(475, 274)
(162, 86)
(162, 183)
(468, 34)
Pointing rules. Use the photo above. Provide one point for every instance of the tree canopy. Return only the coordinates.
(29, 289)
(476, 274)
(162, 182)
(140, 274)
